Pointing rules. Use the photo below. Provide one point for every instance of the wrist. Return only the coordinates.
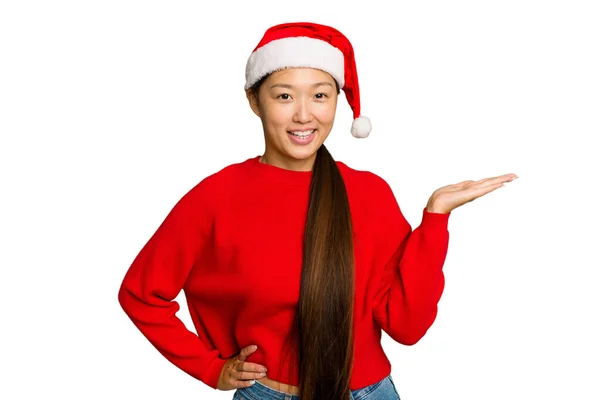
(435, 208)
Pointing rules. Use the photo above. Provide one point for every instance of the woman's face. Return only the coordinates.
(295, 100)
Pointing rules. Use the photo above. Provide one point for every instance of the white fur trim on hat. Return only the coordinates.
(298, 51)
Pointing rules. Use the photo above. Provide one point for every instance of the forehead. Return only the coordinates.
(300, 76)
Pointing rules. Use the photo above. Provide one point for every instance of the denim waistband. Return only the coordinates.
(382, 390)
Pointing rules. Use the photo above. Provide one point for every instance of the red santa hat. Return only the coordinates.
(305, 44)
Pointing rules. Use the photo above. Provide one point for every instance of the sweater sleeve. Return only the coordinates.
(412, 283)
(157, 275)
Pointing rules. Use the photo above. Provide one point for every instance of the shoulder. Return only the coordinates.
(221, 179)
(201, 202)
(364, 179)
(371, 190)
(211, 189)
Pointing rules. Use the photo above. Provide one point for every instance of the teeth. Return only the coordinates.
(302, 134)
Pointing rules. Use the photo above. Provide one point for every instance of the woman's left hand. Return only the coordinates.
(447, 198)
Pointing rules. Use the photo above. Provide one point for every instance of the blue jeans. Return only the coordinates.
(382, 390)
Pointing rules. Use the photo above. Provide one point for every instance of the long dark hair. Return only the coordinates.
(321, 335)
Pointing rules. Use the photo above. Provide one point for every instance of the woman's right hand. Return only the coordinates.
(237, 373)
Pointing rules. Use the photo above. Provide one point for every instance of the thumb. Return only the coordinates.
(246, 351)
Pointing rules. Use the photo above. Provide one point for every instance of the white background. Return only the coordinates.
(110, 111)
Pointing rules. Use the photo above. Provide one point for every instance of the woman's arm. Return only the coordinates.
(412, 283)
(158, 274)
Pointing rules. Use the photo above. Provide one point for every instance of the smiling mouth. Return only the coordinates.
(302, 134)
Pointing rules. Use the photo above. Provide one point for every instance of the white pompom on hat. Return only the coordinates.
(306, 44)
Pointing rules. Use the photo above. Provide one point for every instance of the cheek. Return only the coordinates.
(325, 114)
(276, 116)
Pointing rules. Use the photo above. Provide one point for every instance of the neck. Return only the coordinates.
(293, 165)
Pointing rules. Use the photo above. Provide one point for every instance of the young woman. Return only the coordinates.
(292, 263)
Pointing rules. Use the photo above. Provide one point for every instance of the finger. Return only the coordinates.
(481, 190)
(242, 384)
(252, 367)
(460, 185)
(495, 179)
(463, 182)
(248, 370)
(484, 185)
(246, 351)
(247, 375)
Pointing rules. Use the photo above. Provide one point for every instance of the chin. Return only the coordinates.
(304, 153)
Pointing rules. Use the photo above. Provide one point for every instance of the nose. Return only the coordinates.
(303, 112)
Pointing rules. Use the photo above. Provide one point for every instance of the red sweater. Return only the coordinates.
(233, 244)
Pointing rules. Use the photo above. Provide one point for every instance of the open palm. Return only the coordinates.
(449, 197)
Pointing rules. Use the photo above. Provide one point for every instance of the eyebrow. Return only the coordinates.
(285, 85)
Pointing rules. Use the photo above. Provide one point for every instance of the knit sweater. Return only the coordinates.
(233, 244)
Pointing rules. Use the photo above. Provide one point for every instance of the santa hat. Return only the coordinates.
(305, 44)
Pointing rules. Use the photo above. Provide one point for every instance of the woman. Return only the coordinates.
(292, 263)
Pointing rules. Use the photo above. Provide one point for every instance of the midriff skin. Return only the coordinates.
(282, 387)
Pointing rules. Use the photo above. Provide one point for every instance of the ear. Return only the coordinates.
(253, 101)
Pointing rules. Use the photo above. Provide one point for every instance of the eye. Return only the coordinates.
(323, 95)
(283, 94)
